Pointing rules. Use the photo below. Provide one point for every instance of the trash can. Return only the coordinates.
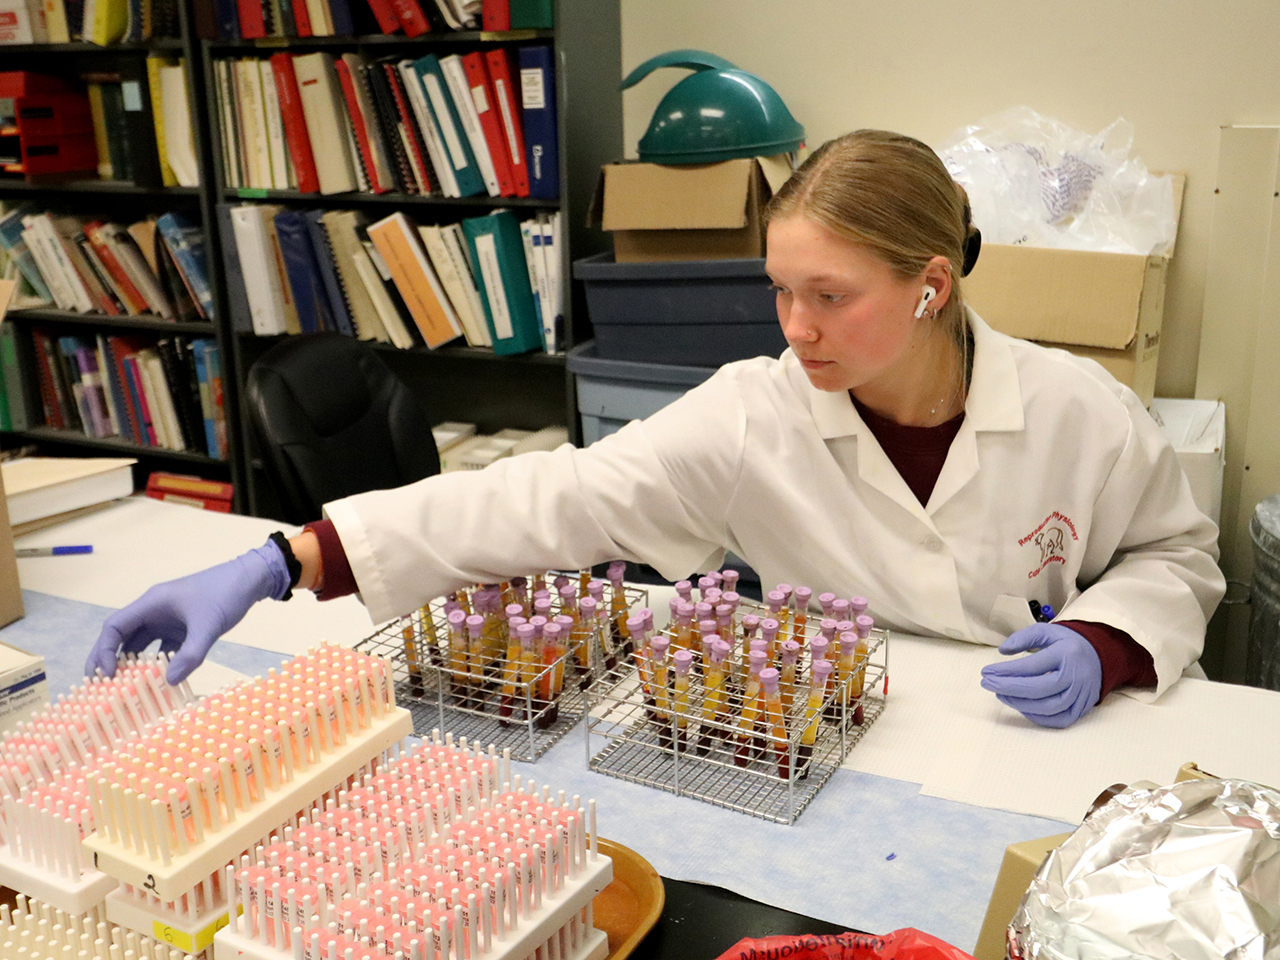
(1262, 666)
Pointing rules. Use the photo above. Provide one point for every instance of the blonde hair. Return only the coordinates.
(891, 194)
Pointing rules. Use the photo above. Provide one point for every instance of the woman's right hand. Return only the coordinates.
(188, 614)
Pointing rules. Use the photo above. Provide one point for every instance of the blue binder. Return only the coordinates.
(328, 273)
(303, 271)
(538, 116)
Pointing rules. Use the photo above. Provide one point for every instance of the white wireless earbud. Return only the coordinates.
(926, 294)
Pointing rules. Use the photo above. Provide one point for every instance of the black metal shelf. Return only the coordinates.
(49, 315)
(111, 187)
(385, 199)
(381, 40)
(81, 47)
(116, 446)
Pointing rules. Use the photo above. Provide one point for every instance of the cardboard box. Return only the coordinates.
(1198, 431)
(707, 211)
(1017, 870)
(1105, 306)
(24, 687)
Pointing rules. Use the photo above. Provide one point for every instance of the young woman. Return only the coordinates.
(900, 449)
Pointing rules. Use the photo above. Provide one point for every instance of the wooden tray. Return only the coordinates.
(628, 908)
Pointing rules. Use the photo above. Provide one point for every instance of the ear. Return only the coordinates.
(937, 275)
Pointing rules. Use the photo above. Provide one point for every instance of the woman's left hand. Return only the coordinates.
(1057, 684)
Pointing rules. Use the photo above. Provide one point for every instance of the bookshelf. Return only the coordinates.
(528, 391)
(125, 202)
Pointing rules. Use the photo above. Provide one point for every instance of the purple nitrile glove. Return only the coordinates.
(188, 614)
(1057, 684)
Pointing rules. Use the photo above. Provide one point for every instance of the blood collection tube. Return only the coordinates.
(684, 590)
(458, 660)
(618, 608)
(750, 710)
(585, 638)
(553, 672)
(683, 660)
(820, 672)
(729, 580)
(787, 673)
(411, 657)
(511, 673)
(475, 650)
(825, 601)
(862, 652)
(658, 667)
(774, 719)
(769, 632)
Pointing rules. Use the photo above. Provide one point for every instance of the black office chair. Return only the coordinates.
(333, 420)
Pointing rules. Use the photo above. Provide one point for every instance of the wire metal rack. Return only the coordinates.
(480, 692)
(729, 748)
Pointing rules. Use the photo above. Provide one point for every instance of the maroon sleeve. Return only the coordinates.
(1124, 661)
(338, 580)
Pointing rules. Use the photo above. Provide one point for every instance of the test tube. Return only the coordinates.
(683, 660)
(750, 711)
(820, 672)
(713, 703)
(774, 719)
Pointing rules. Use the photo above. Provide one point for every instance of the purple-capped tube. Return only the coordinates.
(785, 589)
(863, 626)
(843, 626)
(801, 599)
(825, 600)
(703, 610)
(818, 648)
(760, 645)
(732, 598)
(776, 600)
(769, 631)
(750, 623)
(542, 606)
(857, 607)
(724, 618)
(705, 583)
(595, 590)
(729, 580)
(684, 589)
(840, 609)
(827, 628)
(513, 610)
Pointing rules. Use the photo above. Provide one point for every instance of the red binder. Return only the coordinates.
(411, 17)
(359, 122)
(496, 14)
(385, 14)
(482, 94)
(506, 101)
(302, 18)
(252, 24)
(295, 123)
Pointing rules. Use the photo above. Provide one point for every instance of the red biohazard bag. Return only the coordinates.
(905, 944)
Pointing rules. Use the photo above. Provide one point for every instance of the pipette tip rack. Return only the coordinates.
(446, 681)
(718, 742)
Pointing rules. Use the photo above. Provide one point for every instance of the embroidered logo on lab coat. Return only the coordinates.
(1051, 539)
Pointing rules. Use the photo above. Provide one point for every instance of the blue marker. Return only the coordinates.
(53, 551)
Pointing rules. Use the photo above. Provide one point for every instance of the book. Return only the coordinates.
(184, 240)
(415, 145)
(213, 362)
(154, 63)
(75, 387)
(302, 273)
(426, 124)
(178, 149)
(378, 284)
(51, 399)
(457, 153)
(199, 347)
(326, 121)
(531, 15)
(15, 248)
(502, 276)
(506, 95)
(193, 491)
(134, 262)
(253, 124)
(396, 240)
(455, 78)
(114, 413)
(256, 261)
(85, 358)
(68, 231)
(122, 284)
(340, 227)
(496, 15)
(180, 377)
(114, 305)
(237, 296)
(38, 487)
(295, 123)
(328, 273)
(360, 110)
(164, 415)
(273, 124)
(410, 17)
(117, 392)
(228, 140)
(456, 278)
(538, 117)
(67, 288)
(138, 398)
(117, 348)
(482, 96)
(24, 402)
(252, 23)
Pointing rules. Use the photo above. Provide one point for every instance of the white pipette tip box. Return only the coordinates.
(73, 896)
(188, 934)
(185, 870)
(552, 919)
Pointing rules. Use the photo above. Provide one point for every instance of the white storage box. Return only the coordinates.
(1198, 431)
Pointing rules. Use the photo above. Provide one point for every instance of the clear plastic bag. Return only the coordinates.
(1035, 181)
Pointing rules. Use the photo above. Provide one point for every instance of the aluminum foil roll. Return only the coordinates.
(1190, 871)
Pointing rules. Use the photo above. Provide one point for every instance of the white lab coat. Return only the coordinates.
(1058, 487)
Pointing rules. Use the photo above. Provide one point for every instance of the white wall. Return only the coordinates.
(1178, 70)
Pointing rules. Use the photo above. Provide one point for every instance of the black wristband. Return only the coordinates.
(290, 562)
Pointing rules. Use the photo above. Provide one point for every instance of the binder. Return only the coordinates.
(538, 113)
(328, 275)
(295, 123)
(340, 226)
(252, 24)
(198, 353)
(503, 277)
(237, 294)
(364, 122)
(273, 124)
(396, 240)
(495, 15)
(326, 121)
(302, 273)
(455, 276)
(455, 77)
(185, 241)
(415, 144)
(426, 124)
(531, 15)
(257, 266)
(506, 96)
(457, 153)
(482, 97)
(117, 390)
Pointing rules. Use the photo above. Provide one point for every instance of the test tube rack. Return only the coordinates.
(437, 683)
(148, 843)
(36, 931)
(523, 872)
(45, 811)
(764, 770)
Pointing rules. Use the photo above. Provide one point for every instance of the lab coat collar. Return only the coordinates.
(994, 401)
